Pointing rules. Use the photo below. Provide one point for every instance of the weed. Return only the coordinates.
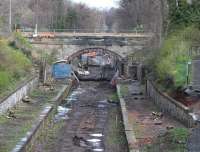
(179, 135)
(124, 90)
(173, 141)
(114, 97)
(116, 138)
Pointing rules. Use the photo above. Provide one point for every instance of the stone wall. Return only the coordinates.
(16, 96)
(169, 106)
(64, 49)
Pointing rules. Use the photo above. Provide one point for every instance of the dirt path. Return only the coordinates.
(92, 124)
(148, 122)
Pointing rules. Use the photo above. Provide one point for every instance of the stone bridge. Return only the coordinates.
(68, 45)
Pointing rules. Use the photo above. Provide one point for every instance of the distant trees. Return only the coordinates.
(148, 13)
(184, 13)
(50, 14)
(128, 14)
(111, 19)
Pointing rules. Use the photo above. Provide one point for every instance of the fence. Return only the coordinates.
(84, 30)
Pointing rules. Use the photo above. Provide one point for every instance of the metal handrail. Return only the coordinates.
(84, 30)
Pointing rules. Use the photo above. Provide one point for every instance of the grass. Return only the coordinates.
(179, 135)
(115, 138)
(10, 86)
(12, 130)
(124, 90)
(137, 129)
(114, 97)
(14, 66)
(15, 129)
(174, 141)
(52, 135)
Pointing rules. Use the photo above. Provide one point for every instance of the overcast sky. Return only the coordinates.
(101, 4)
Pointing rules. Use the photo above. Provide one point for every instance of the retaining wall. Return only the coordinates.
(129, 132)
(39, 131)
(168, 105)
(14, 97)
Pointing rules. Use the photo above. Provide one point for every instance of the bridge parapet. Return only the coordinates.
(67, 43)
(99, 33)
(91, 35)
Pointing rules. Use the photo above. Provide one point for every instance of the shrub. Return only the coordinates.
(171, 61)
(22, 43)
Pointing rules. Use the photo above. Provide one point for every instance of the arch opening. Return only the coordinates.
(95, 63)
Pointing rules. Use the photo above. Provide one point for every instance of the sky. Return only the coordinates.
(101, 4)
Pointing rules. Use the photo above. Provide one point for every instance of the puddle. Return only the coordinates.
(101, 106)
(96, 135)
(61, 113)
(98, 149)
(73, 96)
(71, 99)
(103, 101)
(95, 143)
(93, 140)
(78, 91)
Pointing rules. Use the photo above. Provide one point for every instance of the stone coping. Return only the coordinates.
(130, 135)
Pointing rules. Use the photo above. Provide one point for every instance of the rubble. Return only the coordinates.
(157, 122)
(80, 141)
(157, 114)
(169, 127)
(27, 99)
(11, 114)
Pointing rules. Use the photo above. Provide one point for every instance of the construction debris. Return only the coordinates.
(157, 114)
(169, 127)
(11, 114)
(80, 141)
(158, 122)
(27, 99)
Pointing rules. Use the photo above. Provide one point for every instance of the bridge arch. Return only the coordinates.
(98, 50)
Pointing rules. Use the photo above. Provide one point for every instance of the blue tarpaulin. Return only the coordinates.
(61, 70)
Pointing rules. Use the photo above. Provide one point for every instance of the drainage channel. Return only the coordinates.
(88, 126)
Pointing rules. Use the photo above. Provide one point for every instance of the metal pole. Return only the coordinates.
(10, 16)
(177, 3)
(37, 9)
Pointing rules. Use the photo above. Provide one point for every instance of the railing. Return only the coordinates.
(85, 30)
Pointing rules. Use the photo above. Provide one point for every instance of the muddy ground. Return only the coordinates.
(92, 124)
(152, 127)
